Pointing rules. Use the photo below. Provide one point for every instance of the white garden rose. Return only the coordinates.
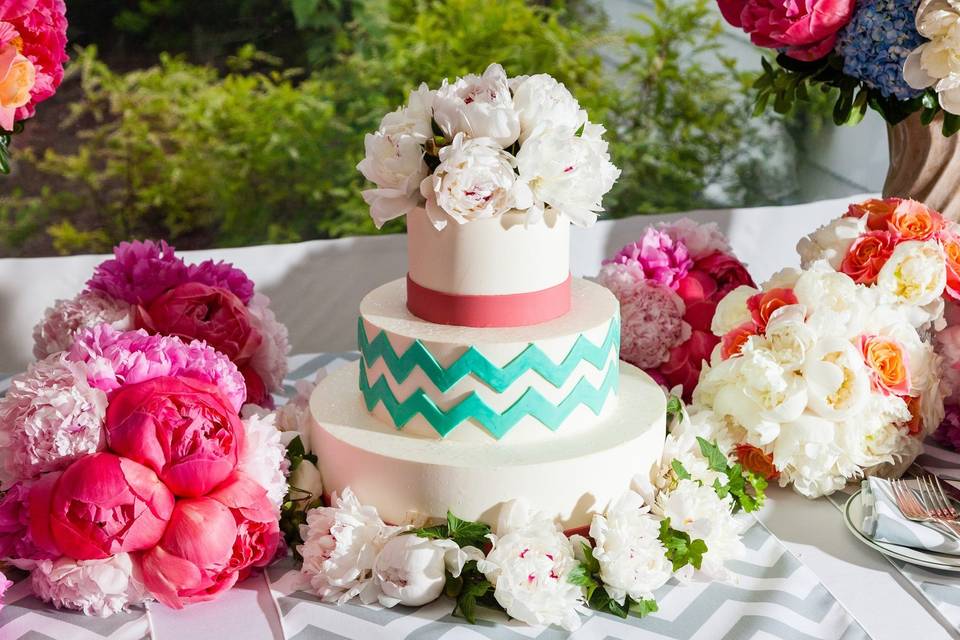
(540, 101)
(411, 570)
(835, 304)
(307, 479)
(838, 379)
(732, 310)
(935, 63)
(395, 164)
(806, 454)
(529, 567)
(831, 241)
(475, 180)
(568, 173)
(340, 546)
(788, 338)
(478, 107)
(915, 275)
(632, 559)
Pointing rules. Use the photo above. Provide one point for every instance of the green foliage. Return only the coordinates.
(470, 589)
(739, 480)
(681, 550)
(587, 575)
(464, 532)
(297, 502)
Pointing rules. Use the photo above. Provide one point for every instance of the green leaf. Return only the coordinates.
(593, 565)
(579, 132)
(644, 607)
(951, 124)
(466, 533)
(680, 470)
(674, 409)
(433, 532)
(5, 153)
(716, 460)
(680, 549)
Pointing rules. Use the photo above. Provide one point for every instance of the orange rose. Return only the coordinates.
(733, 341)
(754, 459)
(877, 211)
(913, 220)
(888, 363)
(951, 249)
(763, 305)
(915, 426)
(17, 77)
(867, 255)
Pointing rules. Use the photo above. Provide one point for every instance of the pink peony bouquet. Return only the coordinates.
(146, 286)
(668, 284)
(33, 40)
(128, 473)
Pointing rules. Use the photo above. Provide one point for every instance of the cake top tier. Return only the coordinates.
(497, 168)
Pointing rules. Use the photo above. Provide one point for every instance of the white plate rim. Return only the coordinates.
(891, 550)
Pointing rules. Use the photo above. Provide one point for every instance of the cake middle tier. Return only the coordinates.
(520, 383)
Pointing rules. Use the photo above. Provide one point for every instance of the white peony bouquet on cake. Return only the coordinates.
(818, 380)
(482, 146)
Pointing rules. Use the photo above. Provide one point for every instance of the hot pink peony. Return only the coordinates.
(15, 540)
(663, 260)
(36, 31)
(804, 29)
(113, 358)
(222, 275)
(726, 271)
(4, 585)
(194, 311)
(100, 506)
(210, 543)
(180, 428)
(685, 361)
(139, 272)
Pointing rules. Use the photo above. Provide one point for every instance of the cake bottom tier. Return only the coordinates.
(569, 478)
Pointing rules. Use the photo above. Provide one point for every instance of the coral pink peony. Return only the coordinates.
(211, 542)
(222, 275)
(804, 29)
(726, 271)
(663, 260)
(15, 540)
(195, 311)
(699, 294)
(113, 358)
(100, 506)
(181, 428)
(37, 30)
(763, 305)
(139, 272)
(685, 361)
(867, 255)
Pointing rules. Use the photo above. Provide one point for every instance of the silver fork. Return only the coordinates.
(932, 495)
(912, 509)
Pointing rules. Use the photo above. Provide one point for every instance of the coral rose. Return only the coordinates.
(181, 428)
(804, 30)
(890, 370)
(194, 311)
(913, 220)
(877, 212)
(733, 341)
(99, 506)
(951, 250)
(754, 459)
(867, 255)
(763, 305)
(914, 404)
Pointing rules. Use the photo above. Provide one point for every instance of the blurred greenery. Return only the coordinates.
(208, 149)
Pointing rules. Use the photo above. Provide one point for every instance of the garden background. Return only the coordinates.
(236, 122)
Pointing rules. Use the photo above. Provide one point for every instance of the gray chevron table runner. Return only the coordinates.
(771, 595)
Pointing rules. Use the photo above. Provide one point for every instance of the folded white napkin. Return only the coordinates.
(883, 522)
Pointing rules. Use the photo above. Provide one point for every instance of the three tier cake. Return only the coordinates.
(488, 373)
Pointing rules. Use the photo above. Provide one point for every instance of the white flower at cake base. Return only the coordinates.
(568, 173)
(49, 417)
(341, 544)
(475, 180)
(61, 322)
(632, 559)
(411, 570)
(529, 567)
(479, 107)
(263, 456)
(541, 100)
(95, 587)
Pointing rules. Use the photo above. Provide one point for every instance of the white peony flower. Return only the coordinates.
(293, 418)
(475, 180)
(541, 100)
(263, 456)
(806, 454)
(838, 379)
(732, 310)
(700, 238)
(412, 571)
(788, 338)
(49, 417)
(479, 107)
(306, 478)
(62, 321)
(831, 241)
(874, 435)
(340, 546)
(835, 304)
(632, 559)
(915, 274)
(529, 567)
(95, 587)
(570, 174)
(414, 120)
(395, 164)
(935, 63)
(270, 359)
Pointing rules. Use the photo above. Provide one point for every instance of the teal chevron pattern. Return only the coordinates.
(473, 363)
(531, 403)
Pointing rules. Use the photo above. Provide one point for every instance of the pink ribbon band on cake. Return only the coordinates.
(508, 310)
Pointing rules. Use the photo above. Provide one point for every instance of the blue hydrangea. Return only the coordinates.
(876, 42)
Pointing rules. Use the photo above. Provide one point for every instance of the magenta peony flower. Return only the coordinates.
(181, 428)
(726, 271)
(16, 543)
(36, 31)
(50, 416)
(805, 30)
(114, 358)
(948, 433)
(100, 506)
(224, 276)
(663, 260)
(66, 318)
(139, 272)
